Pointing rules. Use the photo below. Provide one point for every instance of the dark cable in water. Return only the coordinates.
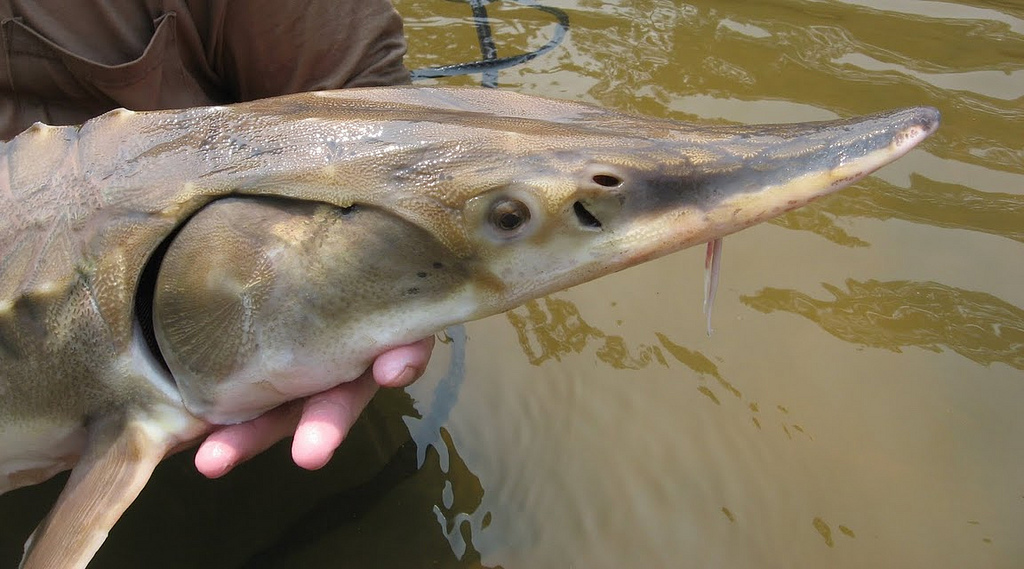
(490, 63)
(486, 38)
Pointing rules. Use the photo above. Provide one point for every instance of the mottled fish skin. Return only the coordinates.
(86, 208)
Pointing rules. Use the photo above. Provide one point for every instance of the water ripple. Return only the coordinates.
(898, 314)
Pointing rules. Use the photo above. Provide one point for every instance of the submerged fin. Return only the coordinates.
(118, 461)
(712, 264)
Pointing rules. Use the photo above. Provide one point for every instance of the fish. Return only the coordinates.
(165, 272)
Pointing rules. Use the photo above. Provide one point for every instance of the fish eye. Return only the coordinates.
(509, 216)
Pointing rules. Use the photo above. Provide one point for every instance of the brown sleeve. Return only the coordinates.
(263, 48)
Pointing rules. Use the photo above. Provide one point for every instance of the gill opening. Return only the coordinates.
(145, 292)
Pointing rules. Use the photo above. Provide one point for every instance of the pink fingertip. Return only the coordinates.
(314, 443)
(398, 377)
(401, 366)
(214, 459)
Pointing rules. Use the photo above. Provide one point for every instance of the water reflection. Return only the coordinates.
(900, 314)
(833, 56)
(424, 508)
(834, 473)
(551, 328)
(825, 530)
(925, 201)
(933, 203)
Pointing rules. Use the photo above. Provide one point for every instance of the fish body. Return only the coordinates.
(163, 272)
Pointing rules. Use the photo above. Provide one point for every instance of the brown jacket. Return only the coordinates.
(63, 62)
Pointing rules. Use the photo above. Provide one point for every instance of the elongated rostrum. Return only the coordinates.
(161, 272)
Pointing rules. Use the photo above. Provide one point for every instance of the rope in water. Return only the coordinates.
(489, 64)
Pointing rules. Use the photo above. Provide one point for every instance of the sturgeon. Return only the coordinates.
(162, 272)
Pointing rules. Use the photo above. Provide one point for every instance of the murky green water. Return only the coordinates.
(859, 404)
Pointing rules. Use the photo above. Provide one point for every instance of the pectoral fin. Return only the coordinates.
(118, 461)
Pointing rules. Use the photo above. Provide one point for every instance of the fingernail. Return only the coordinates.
(403, 377)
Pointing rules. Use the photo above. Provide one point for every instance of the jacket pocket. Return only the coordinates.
(43, 70)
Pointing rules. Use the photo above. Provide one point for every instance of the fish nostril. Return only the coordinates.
(584, 216)
(607, 180)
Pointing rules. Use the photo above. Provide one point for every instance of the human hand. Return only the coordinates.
(319, 422)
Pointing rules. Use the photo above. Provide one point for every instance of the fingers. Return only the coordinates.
(323, 423)
(328, 416)
(326, 420)
(403, 365)
(231, 445)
